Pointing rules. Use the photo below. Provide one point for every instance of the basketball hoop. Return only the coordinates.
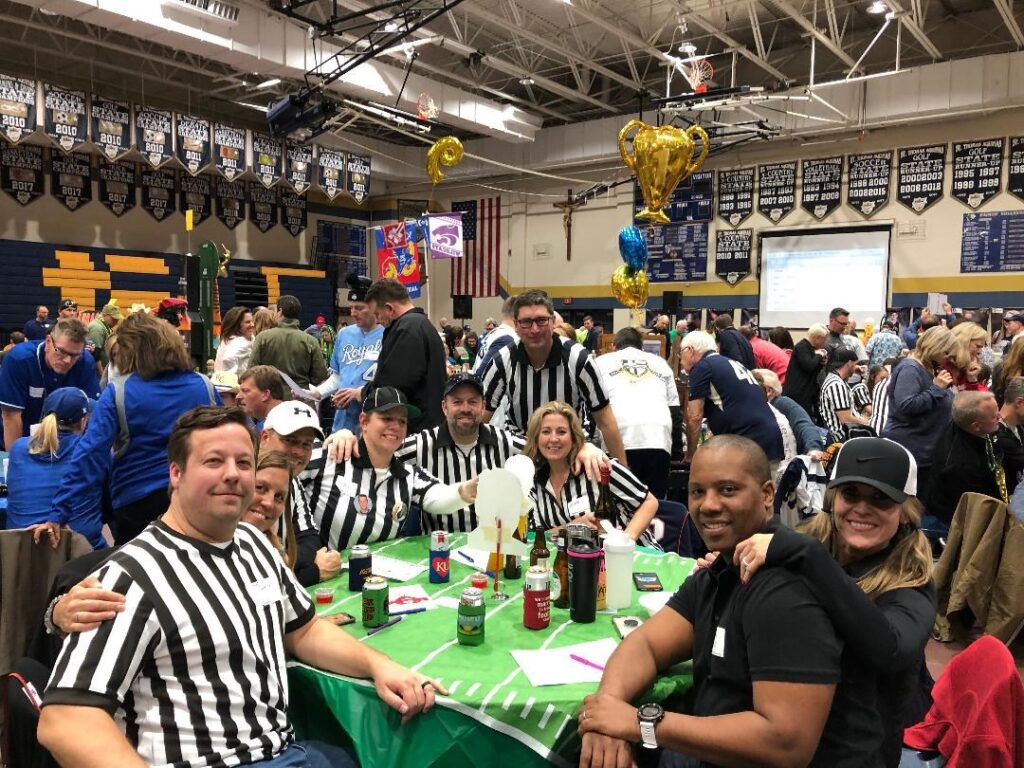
(426, 109)
(700, 74)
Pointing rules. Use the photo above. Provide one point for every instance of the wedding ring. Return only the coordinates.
(584, 714)
(745, 563)
(78, 617)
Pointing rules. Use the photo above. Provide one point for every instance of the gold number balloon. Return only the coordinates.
(629, 286)
(662, 157)
(446, 152)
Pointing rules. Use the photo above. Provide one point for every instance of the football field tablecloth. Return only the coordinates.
(492, 716)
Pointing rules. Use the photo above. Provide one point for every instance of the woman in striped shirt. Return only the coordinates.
(560, 495)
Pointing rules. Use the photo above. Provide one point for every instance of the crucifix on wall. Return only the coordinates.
(567, 209)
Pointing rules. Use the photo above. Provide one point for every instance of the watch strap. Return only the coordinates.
(647, 734)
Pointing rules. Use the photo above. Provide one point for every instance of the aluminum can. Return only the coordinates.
(440, 558)
(537, 598)
(360, 565)
(470, 628)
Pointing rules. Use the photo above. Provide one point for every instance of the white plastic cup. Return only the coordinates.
(618, 558)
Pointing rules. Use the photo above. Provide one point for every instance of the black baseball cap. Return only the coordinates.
(358, 285)
(876, 461)
(386, 399)
(842, 356)
(462, 378)
(68, 304)
(1014, 317)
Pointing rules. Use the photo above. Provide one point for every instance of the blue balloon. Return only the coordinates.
(633, 248)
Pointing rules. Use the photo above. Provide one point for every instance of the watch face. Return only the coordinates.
(650, 712)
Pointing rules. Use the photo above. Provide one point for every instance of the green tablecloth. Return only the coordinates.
(493, 715)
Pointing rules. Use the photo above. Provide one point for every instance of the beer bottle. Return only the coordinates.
(560, 576)
(540, 554)
(604, 509)
(513, 568)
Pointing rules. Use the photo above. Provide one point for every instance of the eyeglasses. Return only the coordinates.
(539, 322)
(60, 351)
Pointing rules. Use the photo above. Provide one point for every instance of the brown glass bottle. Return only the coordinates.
(540, 554)
(560, 575)
(513, 568)
(604, 509)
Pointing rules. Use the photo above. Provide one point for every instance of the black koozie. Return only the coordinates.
(584, 564)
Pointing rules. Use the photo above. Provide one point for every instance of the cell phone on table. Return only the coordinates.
(340, 619)
(626, 624)
(647, 582)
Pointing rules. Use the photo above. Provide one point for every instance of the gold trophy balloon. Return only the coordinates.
(662, 157)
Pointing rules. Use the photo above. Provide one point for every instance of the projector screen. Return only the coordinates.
(805, 273)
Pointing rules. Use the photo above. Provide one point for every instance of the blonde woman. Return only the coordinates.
(561, 495)
(920, 398)
(965, 371)
(263, 319)
(873, 575)
(37, 464)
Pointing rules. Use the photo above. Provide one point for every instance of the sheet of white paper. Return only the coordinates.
(555, 666)
(397, 570)
(654, 601)
(447, 602)
(471, 558)
(405, 598)
(935, 302)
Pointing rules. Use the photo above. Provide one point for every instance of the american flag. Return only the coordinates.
(476, 273)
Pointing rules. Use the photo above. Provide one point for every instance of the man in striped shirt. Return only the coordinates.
(835, 403)
(192, 672)
(543, 367)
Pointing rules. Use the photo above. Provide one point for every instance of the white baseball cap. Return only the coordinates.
(289, 417)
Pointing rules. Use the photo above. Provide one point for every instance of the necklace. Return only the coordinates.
(996, 467)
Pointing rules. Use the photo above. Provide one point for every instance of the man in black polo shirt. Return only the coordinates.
(766, 660)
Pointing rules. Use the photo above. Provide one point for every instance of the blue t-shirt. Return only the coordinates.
(26, 380)
(734, 404)
(33, 480)
(355, 361)
(36, 331)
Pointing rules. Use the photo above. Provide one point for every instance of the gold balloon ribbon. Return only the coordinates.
(446, 151)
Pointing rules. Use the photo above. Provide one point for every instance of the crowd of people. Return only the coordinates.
(307, 441)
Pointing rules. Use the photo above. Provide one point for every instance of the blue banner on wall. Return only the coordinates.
(992, 242)
(677, 253)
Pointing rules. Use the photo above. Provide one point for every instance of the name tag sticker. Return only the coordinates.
(36, 392)
(265, 591)
(579, 506)
(718, 647)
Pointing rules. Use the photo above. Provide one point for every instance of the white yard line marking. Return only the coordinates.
(472, 689)
(565, 722)
(508, 700)
(547, 716)
(498, 687)
(526, 710)
(430, 656)
(554, 634)
(452, 688)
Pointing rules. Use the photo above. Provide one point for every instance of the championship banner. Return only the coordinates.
(21, 172)
(402, 263)
(266, 159)
(821, 186)
(17, 108)
(159, 188)
(117, 186)
(1015, 180)
(71, 179)
(732, 254)
(330, 171)
(357, 177)
(299, 166)
(65, 119)
(776, 190)
(262, 206)
(153, 135)
(229, 150)
(229, 202)
(293, 212)
(444, 235)
(920, 176)
(110, 125)
(867, 181)
(977, 171)
(195, 197)
(193, 148)
(736, 195)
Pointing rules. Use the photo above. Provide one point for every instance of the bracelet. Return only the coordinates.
(51, 628)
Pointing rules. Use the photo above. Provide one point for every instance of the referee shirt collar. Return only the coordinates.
(445, 440)
(202, 546)
(362, 461)
(557, 355)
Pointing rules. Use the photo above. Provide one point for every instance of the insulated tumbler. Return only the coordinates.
(584, 565)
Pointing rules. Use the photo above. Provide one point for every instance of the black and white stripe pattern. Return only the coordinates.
(579, 496)
(434, 451)
(569, 375)
(880, 405)
(336, 491)
(193, 669)
(835, 396)
(861, 396)
(302, 518)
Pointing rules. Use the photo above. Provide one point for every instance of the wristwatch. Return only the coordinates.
(649, 716)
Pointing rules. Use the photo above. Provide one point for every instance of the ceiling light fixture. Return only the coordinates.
(270, 83)
(687, 48)
(878, 7)
(391, 26)
(526, 81)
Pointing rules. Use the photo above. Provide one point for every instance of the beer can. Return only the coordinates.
(360, 565)
(470, 627)
(375, 601)
(537, 598)
(440, 559)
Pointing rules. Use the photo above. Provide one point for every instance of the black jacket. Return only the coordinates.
(734, 345)
(960, 464)
(413, 360)
(802, 377)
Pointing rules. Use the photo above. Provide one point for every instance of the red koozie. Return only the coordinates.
(537, 598)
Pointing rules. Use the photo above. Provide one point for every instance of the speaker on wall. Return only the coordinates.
(462, 306)
(672, 302)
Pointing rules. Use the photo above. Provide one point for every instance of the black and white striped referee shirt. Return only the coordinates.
(835, 396)
(435, 451)
(569, 375)
(880, 405)
(354, 503)
(193, 670)
(579, 496)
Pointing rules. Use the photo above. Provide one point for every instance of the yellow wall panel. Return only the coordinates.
(147, 265)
